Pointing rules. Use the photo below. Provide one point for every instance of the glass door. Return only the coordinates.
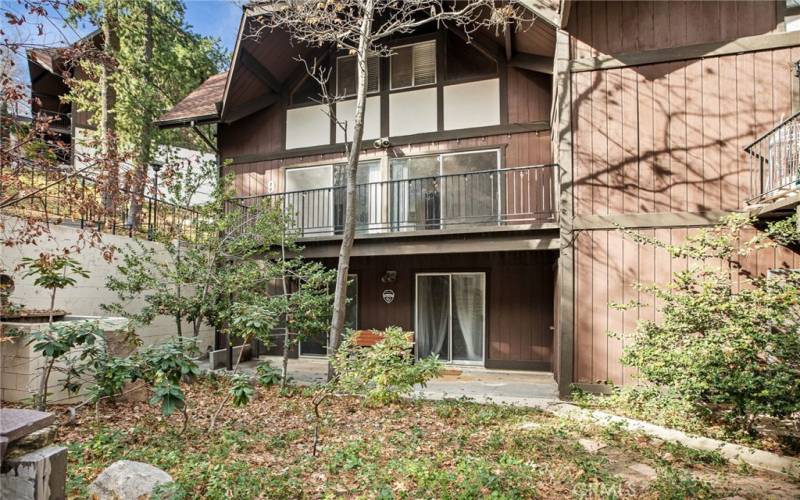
(451, 316)
(309, 198)
(452, 188)
(472, 198)
(369, 196)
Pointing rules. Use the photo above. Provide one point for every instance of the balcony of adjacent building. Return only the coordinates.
(483, 208)
(774, 165)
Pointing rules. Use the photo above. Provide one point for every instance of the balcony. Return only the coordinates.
(506, 199)
(774, 164)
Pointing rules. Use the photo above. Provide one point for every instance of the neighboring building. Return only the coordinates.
(494, 173)
(73, 128)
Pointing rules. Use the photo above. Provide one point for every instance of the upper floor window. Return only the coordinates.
(413, 65)
(347, 79)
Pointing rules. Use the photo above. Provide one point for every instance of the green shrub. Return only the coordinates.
(384, 372)
(267, 374)
(732, 353)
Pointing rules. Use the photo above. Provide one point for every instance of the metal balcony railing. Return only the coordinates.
(55, 194)
(774, 161)
(513, 196)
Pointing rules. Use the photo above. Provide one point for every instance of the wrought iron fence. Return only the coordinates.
(59, 195)
(524, 195)
(774, 161)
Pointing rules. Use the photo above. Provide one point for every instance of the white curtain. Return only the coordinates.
(468, 320)
(433, 316)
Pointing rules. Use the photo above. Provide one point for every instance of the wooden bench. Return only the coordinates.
(368, 338)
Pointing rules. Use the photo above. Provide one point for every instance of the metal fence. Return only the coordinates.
(58, 195)
(774, 159)
(524, 195)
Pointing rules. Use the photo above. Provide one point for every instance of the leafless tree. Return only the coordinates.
(362, 27)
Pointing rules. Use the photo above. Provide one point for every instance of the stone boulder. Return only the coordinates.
(128, 480)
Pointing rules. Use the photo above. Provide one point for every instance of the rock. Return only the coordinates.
(591, 445)
(128, 480)
(644, 471)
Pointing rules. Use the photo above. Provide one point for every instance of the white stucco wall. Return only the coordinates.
(474, 104)
(85, 298)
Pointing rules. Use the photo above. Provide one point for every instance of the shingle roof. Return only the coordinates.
(199, 105)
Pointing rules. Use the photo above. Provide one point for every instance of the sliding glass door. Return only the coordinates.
(446, 189)
(451, 316)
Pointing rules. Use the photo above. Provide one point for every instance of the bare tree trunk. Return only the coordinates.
(146, 135)
(285, 373)
(108, 98)
(340, 293)
(41, 404)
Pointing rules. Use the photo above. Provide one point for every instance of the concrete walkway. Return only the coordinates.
(475, 383)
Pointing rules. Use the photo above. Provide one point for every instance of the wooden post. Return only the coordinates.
(562, 153)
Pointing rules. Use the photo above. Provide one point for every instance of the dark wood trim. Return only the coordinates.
(697, 51)
(508, 38)
(441, 61)
(502, 68)
(648, 220)
(536, 366)
(543, 239)
(447, 135)
(532, 62)
(384, 96)
(185, 122)
(260, 71)
(566, 7)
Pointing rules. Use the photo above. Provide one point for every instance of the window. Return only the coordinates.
(413, 65)
(346, 79)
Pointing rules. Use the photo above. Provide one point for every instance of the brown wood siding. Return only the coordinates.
(528, 96)
(601, 27)
(520, 150)
(607, 267)
(519, 297)
(670, 137)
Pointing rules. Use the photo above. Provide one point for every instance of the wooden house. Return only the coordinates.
(496, 170)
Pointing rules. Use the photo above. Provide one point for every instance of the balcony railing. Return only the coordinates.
(774, 161)
(513, 196)
(55, 194)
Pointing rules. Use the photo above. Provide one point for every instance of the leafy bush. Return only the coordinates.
(267, 374)
(730, 352)
(384, 372)
(242, 391)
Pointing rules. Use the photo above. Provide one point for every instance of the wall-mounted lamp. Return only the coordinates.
(389, 277)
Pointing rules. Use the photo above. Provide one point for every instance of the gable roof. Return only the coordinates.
(201, 105)
(255, 77)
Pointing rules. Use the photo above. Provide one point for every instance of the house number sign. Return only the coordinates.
(388, 296)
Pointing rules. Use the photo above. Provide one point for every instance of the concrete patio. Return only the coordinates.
(475, 383)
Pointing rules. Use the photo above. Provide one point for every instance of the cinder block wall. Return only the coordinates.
(85, 298)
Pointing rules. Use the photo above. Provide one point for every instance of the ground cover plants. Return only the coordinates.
(410, 449)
